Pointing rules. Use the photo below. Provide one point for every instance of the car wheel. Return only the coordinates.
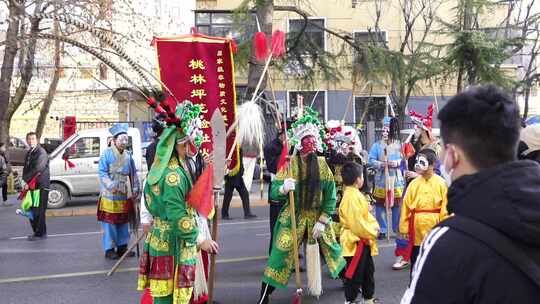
(58, 196)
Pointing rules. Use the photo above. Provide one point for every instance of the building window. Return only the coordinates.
(369, 108)
(370, 37)
(221, 24)
(314, 32)
(315, 99)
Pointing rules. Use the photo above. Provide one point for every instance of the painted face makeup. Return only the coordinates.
(422, 163)
(309, 145)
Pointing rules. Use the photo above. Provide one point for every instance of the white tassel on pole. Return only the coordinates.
(314, 275)
(200, 287)
(250, 124)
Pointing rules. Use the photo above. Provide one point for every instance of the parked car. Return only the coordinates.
(50, 144)
(83, 149)
(16, 151)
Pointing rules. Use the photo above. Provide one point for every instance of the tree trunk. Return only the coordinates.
(265, 15)
(526, 103)
(47, 100)
(6, 72)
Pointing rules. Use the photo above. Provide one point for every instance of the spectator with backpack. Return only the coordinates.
(489, 250)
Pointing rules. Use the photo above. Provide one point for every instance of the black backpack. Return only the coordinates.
(514, 253)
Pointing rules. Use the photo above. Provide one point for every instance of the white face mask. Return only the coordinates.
(445, 172)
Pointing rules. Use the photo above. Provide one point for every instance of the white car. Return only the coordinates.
(83, 149)
(408, 133)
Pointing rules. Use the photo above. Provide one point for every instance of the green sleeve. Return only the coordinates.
(183, 224)
(328, 189)
(275, 195)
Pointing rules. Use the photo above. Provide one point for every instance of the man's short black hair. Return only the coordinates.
(484, 121)
(30, 134)
(430, 155)
(350, 172)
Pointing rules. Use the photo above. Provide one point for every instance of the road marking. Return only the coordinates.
(99, 232)
(96, 272)
(263, 234)
(60, 235)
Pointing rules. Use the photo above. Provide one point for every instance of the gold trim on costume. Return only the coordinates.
(185, 224)
(172, 179)
(112, 206)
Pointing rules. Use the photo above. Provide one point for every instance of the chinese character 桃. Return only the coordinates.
(197, 79)
(196, 64)
(198, 93)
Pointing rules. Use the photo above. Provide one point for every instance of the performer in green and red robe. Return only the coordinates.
(315, 201)
(167, 266)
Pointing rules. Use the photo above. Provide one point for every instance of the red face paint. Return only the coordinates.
(309, 145)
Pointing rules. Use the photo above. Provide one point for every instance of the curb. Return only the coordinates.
(87, 210)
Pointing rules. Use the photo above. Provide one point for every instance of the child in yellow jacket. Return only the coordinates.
(359, 230)
(424, 205)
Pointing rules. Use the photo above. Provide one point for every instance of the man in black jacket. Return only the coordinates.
(232, 182)
(272, 153)
(37, 164)
(489, 251)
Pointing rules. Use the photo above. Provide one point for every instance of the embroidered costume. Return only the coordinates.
(315, 204)
(168, 264)
(119, 185)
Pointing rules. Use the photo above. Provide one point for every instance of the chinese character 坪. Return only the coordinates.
(198, 93)
(197, 79)
(196, 64)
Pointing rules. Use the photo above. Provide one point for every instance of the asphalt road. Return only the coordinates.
(69, 266)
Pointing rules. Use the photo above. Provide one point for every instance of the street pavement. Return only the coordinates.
(69, 267)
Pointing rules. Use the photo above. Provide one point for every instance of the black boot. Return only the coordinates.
(266, 290)
(122, 249)
(111, 254)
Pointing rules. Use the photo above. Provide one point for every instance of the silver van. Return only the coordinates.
(84, 149)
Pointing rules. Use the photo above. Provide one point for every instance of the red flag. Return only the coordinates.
(147, 297)
(32, 183)
(282, 163)
(201, 196)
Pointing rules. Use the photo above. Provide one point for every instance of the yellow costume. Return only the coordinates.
(357, 223)
(425, 202)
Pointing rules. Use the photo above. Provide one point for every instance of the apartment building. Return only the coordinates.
(340, 100)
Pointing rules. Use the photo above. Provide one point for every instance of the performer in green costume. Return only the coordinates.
(168, 262)
(315, 203)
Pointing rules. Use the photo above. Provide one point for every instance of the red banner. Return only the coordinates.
(201, 69)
